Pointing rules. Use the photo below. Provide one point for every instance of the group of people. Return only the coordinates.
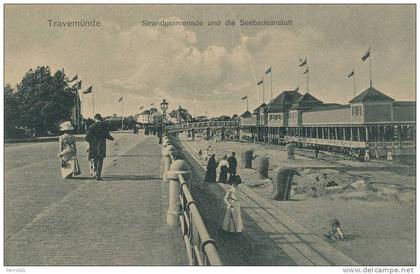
(96, 136)
(226, 166)
(232, 221)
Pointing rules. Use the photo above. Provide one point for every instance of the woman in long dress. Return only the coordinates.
(223, 169)
(232, 221)
(67, 145)
(211, 170)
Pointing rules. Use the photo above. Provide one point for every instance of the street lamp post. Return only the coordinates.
(164, 108)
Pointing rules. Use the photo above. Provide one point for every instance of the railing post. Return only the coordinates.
(166, 153)
(178, 167)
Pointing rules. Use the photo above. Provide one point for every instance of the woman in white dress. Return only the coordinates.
(232, 221)
(67, 147)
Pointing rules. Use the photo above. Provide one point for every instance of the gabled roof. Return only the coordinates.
(246, 114)
(307, 98)
(371, 95)
(180, 113)
(284, 101)
(257, 109)
(146, 112)
(307, 101)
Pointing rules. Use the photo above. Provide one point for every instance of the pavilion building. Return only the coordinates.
(371, 120)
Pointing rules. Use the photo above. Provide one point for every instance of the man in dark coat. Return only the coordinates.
(233, 163)
(96, 137)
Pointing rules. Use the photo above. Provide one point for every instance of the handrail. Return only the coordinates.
(206, 243)
(201, 248)
(202, 125)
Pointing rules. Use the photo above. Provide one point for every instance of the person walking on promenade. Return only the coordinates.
(223, 168)
(211, 170)
(233, 164)
(389, 156)
(96, 136)
(316, 149)
(232, 221)
(67, 145)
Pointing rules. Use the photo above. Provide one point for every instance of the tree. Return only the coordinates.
(44, 100)
(11, 113)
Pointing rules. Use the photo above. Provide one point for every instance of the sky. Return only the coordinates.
(209, 69)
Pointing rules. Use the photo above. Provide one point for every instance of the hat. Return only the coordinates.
(66, 126)
(98, 117)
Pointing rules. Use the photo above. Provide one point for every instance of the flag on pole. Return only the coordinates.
(297, 88)
(351, 74)
(78, 85)
(303, 62)
(120, 100)
(245, 97)
(73, 79)
(306, 71)
(88, 90)
(260, 82)
(268, 70)
(366, 55)
(141, 107)
(152, 104)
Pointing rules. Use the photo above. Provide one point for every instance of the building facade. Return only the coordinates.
(371, 120)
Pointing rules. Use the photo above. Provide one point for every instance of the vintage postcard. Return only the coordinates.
(211, 134)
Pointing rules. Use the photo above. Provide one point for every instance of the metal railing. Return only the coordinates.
(201, 248)
(203, 125)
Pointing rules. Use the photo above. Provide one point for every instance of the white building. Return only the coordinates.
(149, 116)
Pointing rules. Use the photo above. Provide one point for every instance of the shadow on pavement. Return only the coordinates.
(131, 177)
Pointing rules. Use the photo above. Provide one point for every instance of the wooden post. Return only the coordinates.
(367, 134)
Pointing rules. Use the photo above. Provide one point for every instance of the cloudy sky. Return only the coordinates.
(209, 69)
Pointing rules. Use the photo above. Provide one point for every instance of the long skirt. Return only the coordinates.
(210, 175)
(70, 168)
(223, 175)
(232, 221)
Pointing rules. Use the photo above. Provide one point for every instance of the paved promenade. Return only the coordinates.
(118, 221)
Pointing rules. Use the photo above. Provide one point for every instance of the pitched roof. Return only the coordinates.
(246, 114)
(371, 95)
(283, 101)
(307, 101)
(256, 110)
(181, 113)
(146, 112)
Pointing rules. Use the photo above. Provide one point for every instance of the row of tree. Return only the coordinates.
(38, 104)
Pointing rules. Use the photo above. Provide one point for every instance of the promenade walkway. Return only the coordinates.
(118, 221)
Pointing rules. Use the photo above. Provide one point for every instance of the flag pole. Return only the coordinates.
(271, 84)
(370, 66)
(263, 88)
(93, 105)
(247, 103)
(122, 117)
(354, 84)
(308, 79)
(78, 110)
(83, 99)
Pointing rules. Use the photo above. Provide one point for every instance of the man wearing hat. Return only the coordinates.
(96, 137)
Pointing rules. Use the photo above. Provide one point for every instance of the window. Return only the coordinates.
(356, 110)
